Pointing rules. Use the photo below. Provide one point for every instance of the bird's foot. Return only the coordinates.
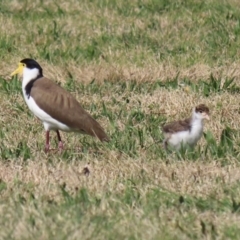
(47, 147)
(60, 145)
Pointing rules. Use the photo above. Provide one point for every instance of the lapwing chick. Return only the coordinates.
(54, 106)
(186, 132)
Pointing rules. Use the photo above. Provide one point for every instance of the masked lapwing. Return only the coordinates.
(53, 105)
(186, 132)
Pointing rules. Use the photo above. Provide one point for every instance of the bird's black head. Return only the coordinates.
(31, 64)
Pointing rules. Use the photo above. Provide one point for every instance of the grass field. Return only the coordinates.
(134, 65)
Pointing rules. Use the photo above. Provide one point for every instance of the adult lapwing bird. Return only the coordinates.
(53, 105)
(186, 132)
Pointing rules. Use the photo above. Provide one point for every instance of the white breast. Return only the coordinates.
(48, 122)
(190, 138)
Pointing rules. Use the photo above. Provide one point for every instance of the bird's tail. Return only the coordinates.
(98, 131)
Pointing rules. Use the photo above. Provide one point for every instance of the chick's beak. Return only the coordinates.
(207, 117)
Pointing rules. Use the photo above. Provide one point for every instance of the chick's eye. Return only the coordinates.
(200, 111)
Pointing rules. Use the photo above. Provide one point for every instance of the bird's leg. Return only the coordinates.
(165, 144)
(47, 142)
(60, 143)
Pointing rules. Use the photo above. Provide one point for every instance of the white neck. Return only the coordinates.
(196, 116)
(196, 125)
(28, 75)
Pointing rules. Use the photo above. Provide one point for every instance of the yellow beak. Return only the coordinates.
(19, 70)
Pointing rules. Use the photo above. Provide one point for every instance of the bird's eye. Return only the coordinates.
(200, 111)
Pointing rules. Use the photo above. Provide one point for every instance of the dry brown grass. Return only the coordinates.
(176, 177)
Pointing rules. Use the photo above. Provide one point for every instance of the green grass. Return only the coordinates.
(134, 66)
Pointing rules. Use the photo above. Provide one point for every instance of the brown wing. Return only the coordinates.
(62, 106)
(182, 125)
